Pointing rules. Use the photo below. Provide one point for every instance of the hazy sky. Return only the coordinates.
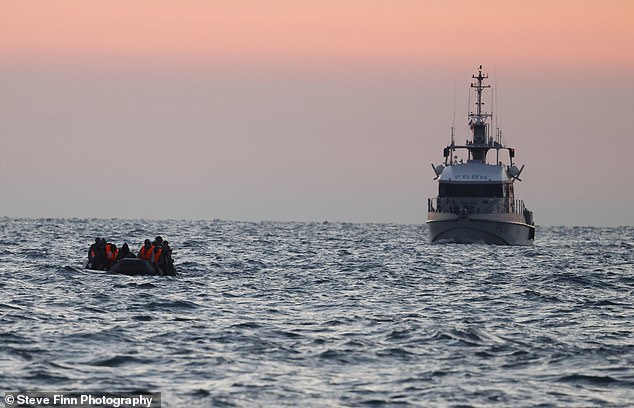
(307, 110)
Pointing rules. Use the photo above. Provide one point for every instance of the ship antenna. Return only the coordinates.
(495, 105)
(469, 106)
(479, 87)
(453, 121)
(479, 118)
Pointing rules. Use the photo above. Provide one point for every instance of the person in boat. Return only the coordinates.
(165, 260)
(156, 256)
(125, 252)
(158, 241)
(146, 251)
(159, 254)
(97, 255)
(111, 254)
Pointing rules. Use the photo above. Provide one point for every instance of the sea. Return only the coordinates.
(324, 314)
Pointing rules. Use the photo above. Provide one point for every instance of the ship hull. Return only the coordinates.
(500, 229)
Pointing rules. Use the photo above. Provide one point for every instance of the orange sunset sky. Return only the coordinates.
(307, 110)
(537, 32)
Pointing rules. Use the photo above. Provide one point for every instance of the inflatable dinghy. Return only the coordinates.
(133, 266)
(137, 266)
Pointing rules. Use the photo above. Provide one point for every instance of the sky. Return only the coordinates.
(307, 110)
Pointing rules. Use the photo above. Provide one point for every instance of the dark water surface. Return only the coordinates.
(310, 314)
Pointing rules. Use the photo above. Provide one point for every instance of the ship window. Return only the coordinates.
(470, 190)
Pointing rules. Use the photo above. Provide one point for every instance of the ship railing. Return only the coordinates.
(475, 205)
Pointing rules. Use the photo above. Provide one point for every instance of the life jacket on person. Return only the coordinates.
(146, 253)
(157, 255)
(111, 255)
(92, 251)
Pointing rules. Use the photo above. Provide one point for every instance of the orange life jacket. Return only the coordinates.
(111, 255)
(157, 255)
(146, 253)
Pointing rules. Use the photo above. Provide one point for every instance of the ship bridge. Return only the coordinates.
(474, 172)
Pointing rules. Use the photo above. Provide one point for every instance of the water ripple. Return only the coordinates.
(321, 314)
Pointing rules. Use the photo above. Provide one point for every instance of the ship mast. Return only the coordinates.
(478, 121)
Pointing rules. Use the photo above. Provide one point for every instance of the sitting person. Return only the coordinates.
(125, 252)
(158, 241)
(111, 254)
(146, 251)
(156, 255)
(97, 254)
(165, 260)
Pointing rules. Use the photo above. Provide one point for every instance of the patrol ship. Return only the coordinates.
(476, 199)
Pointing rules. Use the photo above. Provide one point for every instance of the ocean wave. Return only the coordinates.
(321, 314)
